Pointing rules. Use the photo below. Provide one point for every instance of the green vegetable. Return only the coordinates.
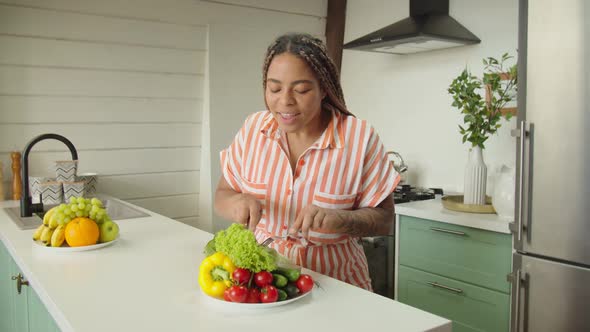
(291, 274)
(292, 290)
(210, 248)
(282, 295)
(279, 280)
(240, 245)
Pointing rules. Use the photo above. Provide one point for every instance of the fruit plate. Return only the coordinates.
(66, 248)
(242, 306)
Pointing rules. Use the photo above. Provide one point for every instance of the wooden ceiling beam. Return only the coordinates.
(335, 23)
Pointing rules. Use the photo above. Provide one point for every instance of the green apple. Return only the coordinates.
(108, 231)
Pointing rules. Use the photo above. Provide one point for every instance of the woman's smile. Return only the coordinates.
(288, 118)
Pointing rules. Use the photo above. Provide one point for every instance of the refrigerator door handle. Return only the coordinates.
(516, 280)
(517, 226)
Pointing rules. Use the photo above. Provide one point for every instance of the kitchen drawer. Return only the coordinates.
(463, 253)
(471, 308)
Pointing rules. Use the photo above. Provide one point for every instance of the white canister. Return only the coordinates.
(503, 198)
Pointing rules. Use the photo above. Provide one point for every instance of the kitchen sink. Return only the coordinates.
(116, 209)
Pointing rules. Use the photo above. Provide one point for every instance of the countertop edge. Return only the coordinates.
(434, 210)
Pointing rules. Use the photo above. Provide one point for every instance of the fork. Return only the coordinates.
(267, 242)
(270, 239)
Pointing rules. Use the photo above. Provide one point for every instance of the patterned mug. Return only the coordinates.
(90, 180)
(65, 170)
(73, 189)
(52, 192)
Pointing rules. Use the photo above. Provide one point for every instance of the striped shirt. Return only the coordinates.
(346, 168)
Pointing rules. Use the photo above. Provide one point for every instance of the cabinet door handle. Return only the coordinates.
(437, 285)
(20, 282)
(436, 229)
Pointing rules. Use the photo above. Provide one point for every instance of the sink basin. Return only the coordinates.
(117, 210)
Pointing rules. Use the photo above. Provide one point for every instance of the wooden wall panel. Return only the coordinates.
(101, 136)
(26, 80)
(128, 92)
(23, 50)
(136, 186)
(54, 24)
(176, 207)
(118, 162)
(76, 109)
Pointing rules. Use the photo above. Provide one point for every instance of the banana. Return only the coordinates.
(47, 216)
(58, 236)
(38, 231)
(46, 235)
(53, 222)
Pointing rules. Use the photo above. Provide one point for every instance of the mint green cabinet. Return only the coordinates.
(455, 272)
(22, 312)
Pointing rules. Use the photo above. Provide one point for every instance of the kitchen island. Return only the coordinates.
(147, 281)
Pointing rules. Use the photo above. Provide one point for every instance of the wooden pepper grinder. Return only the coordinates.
(16, 178)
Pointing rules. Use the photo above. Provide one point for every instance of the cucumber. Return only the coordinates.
(279, 280)
(282, 295)
(292, 290)
(291, 274)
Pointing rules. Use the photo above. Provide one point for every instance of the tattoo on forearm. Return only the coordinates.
(369, 222)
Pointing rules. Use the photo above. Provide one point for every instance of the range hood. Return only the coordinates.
(428, 28)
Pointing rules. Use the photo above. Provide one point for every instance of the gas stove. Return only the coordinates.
(406, 193)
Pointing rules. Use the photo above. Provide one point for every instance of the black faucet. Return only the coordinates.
(27, 208)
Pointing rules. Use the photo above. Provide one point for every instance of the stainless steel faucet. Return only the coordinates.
(27, 208)
(401, 167)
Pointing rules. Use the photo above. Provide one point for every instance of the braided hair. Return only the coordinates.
(313, 51)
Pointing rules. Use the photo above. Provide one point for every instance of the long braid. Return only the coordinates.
(314, 53)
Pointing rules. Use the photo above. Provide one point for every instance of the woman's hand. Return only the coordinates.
(246, 210)
(317, 218)
(237, 207)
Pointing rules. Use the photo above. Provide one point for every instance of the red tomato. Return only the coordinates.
(263, 278)
(269, 294)
(304, 283)
(253, 296)
(238, 293)
(226, 295)
(241, 276)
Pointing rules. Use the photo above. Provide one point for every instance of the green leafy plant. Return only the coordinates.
(482, 116)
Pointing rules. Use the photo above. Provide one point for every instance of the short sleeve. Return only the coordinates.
(379, 178)
(231, 161)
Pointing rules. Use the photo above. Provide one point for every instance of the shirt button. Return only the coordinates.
(289, 191)
(285, 227)
(301, 162)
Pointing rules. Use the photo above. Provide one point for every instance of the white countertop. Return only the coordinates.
(433, 209)
(147, 281)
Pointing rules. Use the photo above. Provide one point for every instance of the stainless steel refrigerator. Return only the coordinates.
(551, 261)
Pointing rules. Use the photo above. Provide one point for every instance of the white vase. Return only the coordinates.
(475, 178)
(503, 196)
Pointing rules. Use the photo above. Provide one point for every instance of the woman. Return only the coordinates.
(306, 171)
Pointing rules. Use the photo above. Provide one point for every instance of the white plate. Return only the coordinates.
(66, 248)
(234, 305)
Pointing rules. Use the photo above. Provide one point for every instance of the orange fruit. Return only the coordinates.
(82, 232)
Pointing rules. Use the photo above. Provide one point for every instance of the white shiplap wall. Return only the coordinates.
(127, 91)
(129, 83)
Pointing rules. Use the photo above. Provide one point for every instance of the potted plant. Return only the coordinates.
(482, 116)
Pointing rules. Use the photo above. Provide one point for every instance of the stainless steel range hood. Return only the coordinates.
(428, 28)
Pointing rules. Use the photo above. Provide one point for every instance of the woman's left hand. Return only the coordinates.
(317, 218)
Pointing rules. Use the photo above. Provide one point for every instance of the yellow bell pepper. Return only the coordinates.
(215, 274)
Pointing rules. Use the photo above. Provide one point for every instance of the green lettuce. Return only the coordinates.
(240, 245)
